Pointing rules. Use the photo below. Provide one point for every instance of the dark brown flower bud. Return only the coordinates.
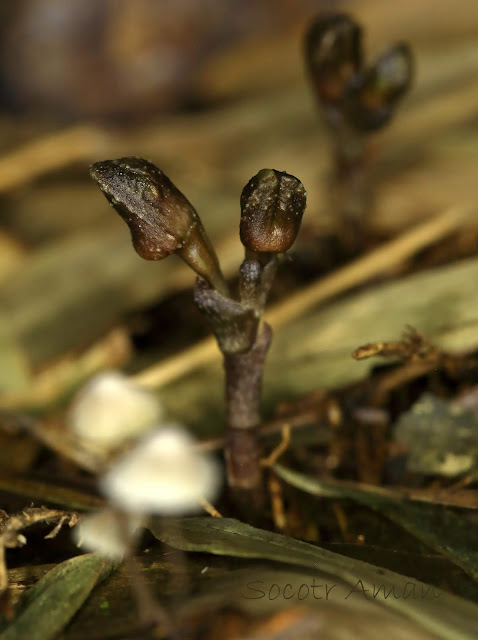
(160, 218)
(372, 96)
(333, 50)
(272, 205)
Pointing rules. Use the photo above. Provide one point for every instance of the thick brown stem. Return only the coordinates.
(243, 395)
(351, 189)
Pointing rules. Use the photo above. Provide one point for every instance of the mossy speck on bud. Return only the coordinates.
(372, 96)
(333, 51)
(272, 205)
(160, 218)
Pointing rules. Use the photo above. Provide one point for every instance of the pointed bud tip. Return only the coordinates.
(372, 96)
(158, 215)
(272, 205)
(333, 51)
(160, 218)
(107, 173)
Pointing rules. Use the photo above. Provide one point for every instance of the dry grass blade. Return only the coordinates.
(110, 352)
(48, 153)
(42, 492)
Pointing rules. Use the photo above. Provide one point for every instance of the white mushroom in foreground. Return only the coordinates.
(164, 474)
(102, 533)
(110, 409)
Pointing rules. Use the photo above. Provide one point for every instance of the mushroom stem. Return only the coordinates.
(150, 612)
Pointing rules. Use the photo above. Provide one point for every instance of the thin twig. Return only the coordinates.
(277, 502)
(209, 508)
(11, 538)
(322, 431)
(280, 449)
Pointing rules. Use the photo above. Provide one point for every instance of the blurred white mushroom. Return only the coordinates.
(110, 409)
(108, 533)
(163, 474)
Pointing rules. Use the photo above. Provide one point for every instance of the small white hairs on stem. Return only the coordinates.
(110, 409)
(163, 474)
(108, 533)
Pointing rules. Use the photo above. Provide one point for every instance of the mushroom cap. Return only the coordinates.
(100, 532)
(111, 409)
(164, 474)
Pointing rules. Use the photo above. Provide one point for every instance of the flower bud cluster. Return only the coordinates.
(366, 96)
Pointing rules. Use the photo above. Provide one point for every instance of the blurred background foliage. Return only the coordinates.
(212, 91)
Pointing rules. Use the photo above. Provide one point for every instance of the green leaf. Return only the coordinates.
(443, 614)
(434, 525)
(48, 607)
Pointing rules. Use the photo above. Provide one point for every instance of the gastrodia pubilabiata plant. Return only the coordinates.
(162, 221)
(365, 96)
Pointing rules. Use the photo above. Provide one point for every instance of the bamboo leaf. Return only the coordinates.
(445, 615)
(48, 607)
(434, 525)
